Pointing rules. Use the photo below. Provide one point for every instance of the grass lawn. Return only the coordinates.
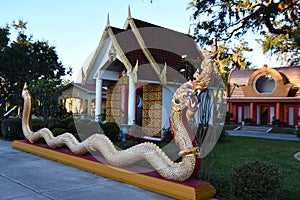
(232, 151)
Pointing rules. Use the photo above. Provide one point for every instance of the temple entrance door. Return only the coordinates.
(264, 115)
(139, 107)
(267, 114)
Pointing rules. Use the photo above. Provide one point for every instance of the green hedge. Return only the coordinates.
(57, 124)
(1, 127)
(111, 130)
(37, 124)
(58, 131)
(71, 128)
(80, 129)
(11, 129)
(67, 120)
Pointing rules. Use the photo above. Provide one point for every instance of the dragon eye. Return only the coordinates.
(177, 101)
(198, 92)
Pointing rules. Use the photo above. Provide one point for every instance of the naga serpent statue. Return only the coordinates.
(184, 105)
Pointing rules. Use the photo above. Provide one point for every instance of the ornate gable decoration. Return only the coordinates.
(112, 54)
(266, 82)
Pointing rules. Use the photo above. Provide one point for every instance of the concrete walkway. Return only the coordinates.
(28, 177)
(24, 176)
(259, 134)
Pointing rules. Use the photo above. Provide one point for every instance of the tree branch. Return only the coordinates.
(286, 4)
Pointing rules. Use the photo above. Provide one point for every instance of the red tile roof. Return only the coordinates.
(289, 75)
(88, 87)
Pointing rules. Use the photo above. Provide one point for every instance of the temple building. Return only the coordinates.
(141, 65)
(264, 95)
(80, 100)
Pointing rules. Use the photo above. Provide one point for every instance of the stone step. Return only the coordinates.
(254, 128)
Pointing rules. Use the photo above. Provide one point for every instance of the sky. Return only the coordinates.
(75, 27)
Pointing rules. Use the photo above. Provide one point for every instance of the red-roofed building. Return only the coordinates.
(141, 65)
(264, 95)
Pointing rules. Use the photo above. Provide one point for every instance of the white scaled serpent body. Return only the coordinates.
(184, 105)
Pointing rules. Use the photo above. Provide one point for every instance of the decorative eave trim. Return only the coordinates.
(128, 18)
(160, 73)
(119, 50)
(96, 54)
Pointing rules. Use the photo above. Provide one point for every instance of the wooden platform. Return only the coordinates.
(191, 189)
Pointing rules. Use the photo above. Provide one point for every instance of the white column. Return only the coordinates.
(98, 100)
(89, 106)
(240, 113)
(131, 102)
(291, 115)
(258, 114)
(272, 114)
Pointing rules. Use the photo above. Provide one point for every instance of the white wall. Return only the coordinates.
(100, 60)
(168, 92)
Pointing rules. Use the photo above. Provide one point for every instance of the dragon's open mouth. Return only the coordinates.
(193, 99)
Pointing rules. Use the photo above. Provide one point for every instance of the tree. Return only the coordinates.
(228, 19)
(287, 51)
(46, 93)
(24, 60)
(231, 58)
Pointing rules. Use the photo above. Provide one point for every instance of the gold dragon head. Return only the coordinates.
(188, 95)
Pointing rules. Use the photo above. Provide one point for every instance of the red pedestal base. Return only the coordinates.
(138, 176)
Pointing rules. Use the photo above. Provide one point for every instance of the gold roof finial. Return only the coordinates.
(108, 22)
(129, 12)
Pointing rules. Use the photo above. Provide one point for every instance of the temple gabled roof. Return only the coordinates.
(151, 47)
(88, 88)
(143, 24)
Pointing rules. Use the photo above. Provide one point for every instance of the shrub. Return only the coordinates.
(58, 131)
(276, 122)
(37, 124)
(228, 116)
(248, 121)
(57, 124)
(297, 133)
(255, 180)
(12, 129)
(67, 120)
(111, 130)
(1, 128)
(84, 128)
(71, 128)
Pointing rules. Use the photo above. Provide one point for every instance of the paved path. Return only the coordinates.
(258, 134)
(24, 176)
